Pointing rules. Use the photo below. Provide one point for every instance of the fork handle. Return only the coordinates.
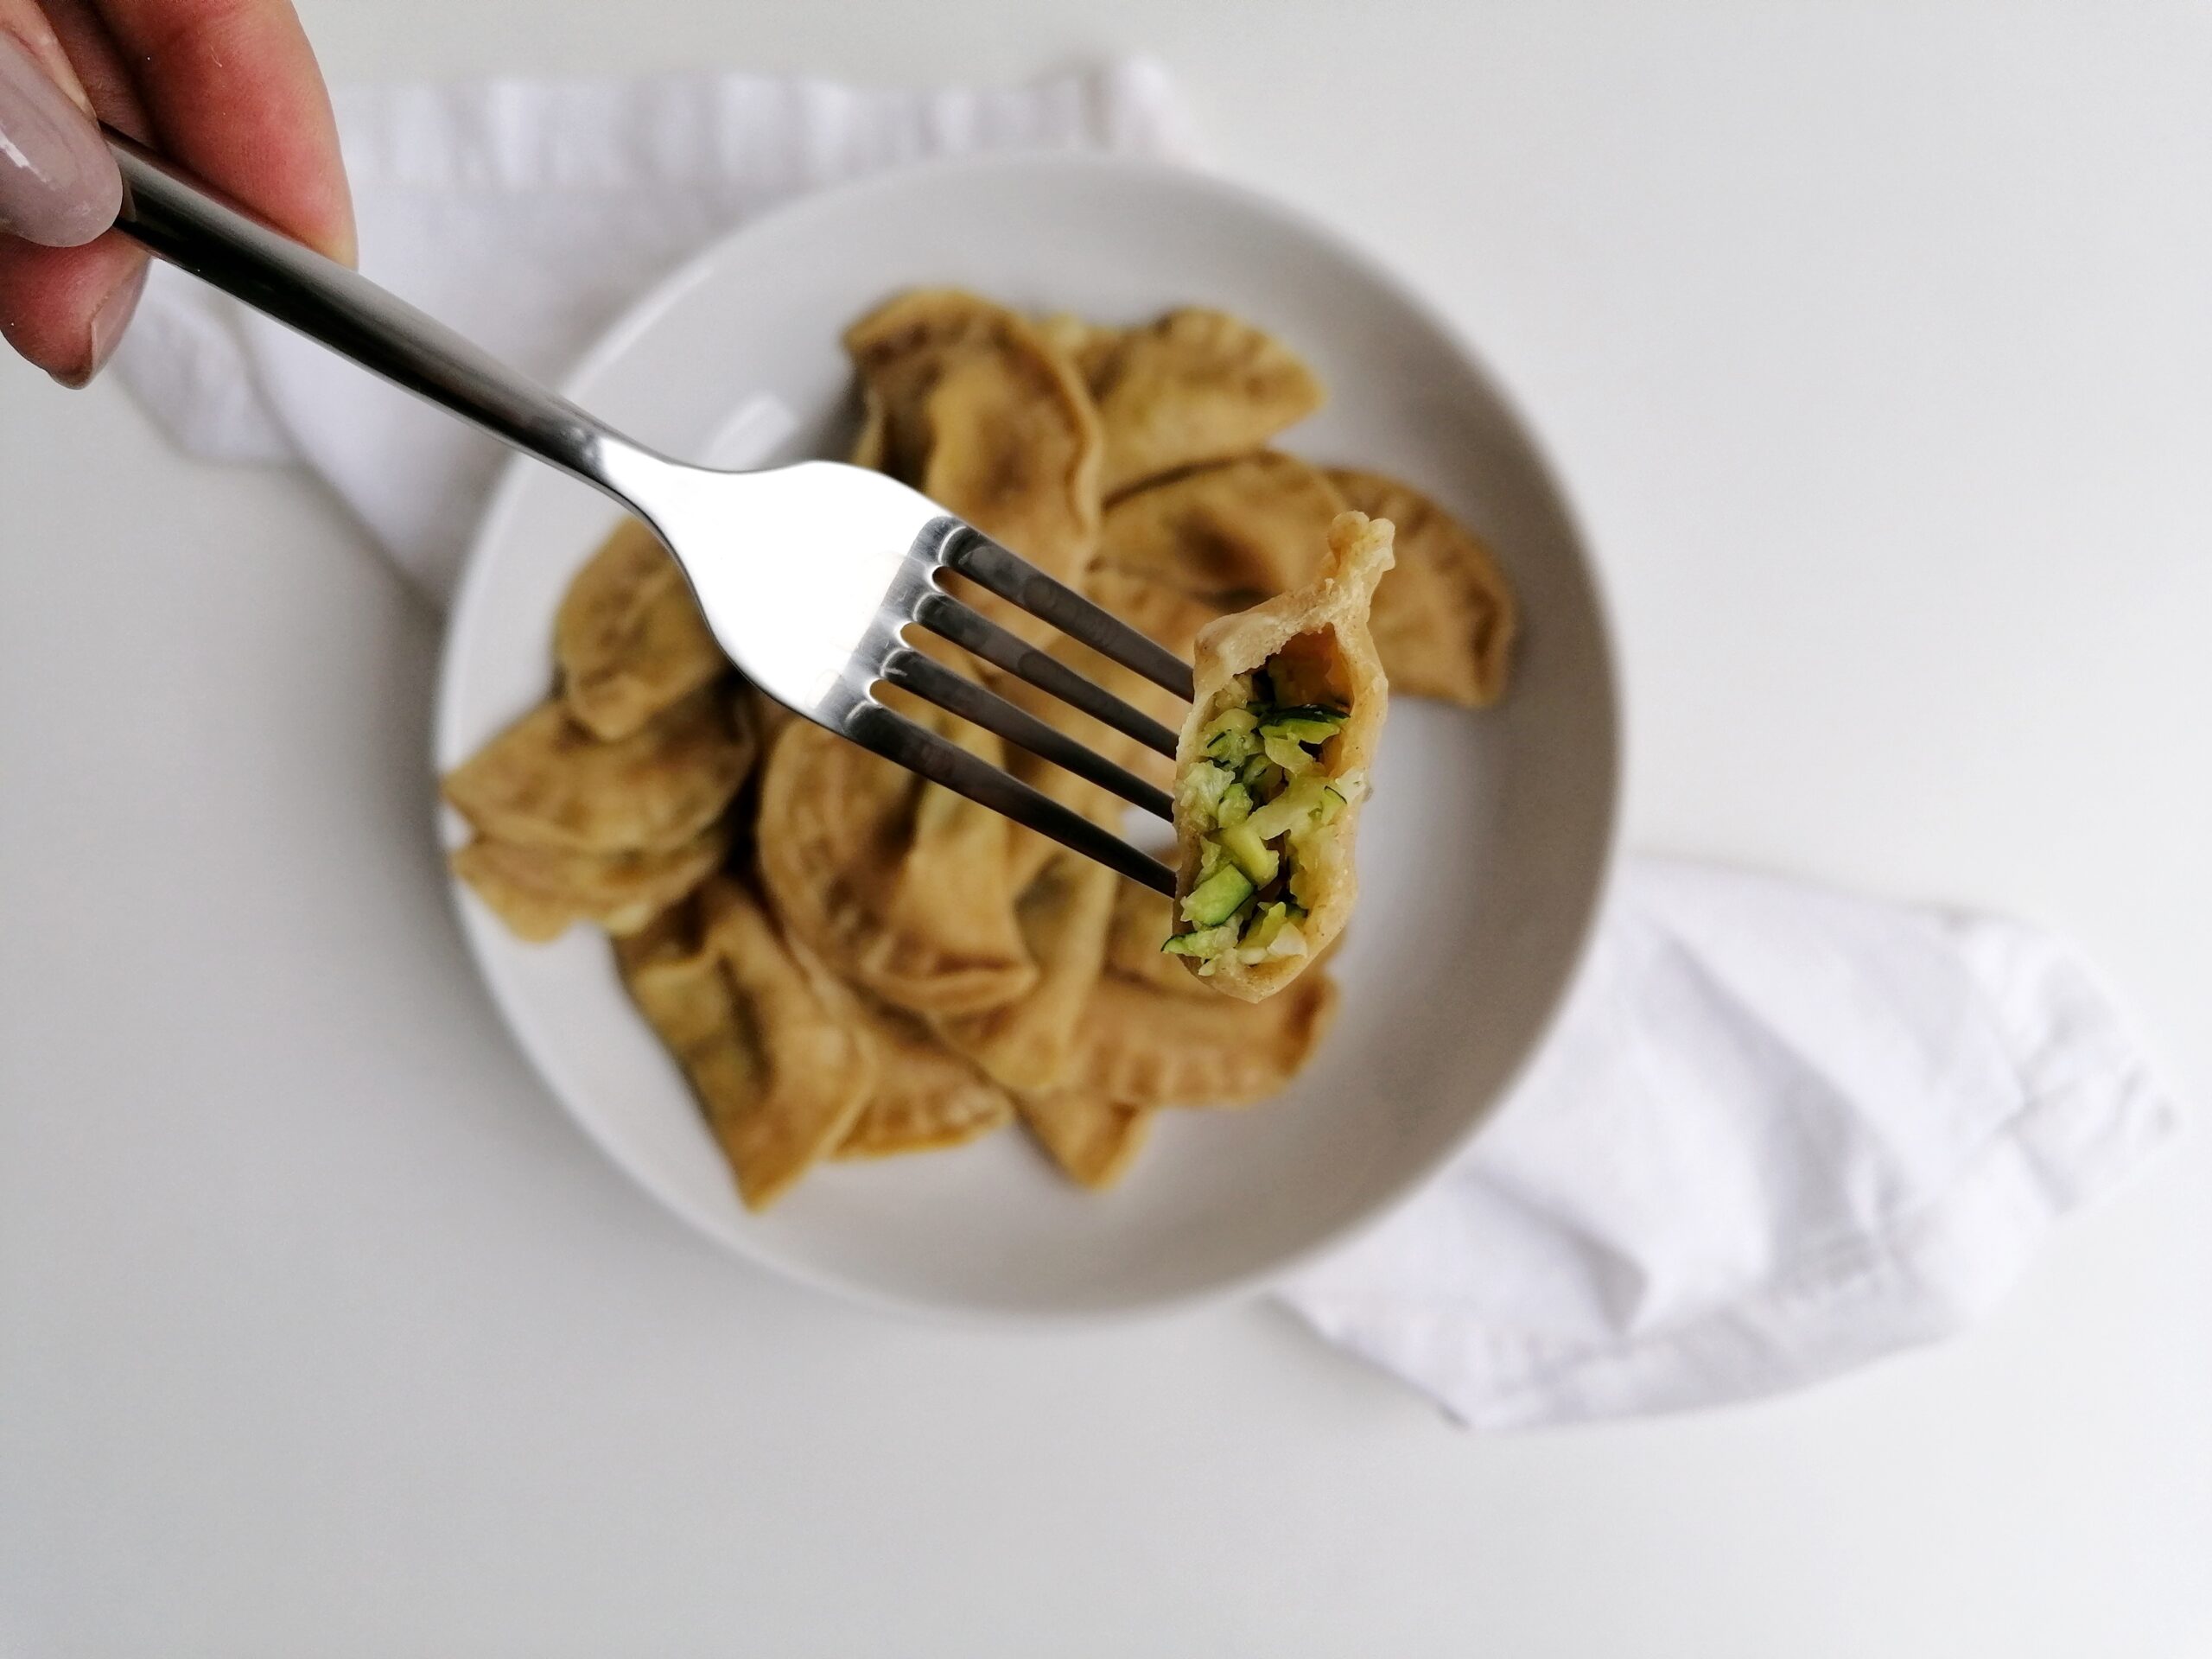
(189, 224)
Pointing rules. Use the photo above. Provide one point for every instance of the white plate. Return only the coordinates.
(1482, 858)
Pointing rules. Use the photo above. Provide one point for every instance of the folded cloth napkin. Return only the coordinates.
(1780, 1131)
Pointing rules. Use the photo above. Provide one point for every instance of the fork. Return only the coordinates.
(820, 633)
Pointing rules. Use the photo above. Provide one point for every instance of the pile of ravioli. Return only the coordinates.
(850, 962)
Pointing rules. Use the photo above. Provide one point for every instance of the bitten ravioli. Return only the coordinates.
(1271, 769)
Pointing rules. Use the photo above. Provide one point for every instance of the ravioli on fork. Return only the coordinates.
(1272, 768)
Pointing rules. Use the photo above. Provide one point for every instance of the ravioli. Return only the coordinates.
(1091, 1139)
(1232, 534)
(539, 891)
(629, 637)
(1142, 1046)
(967, 402)
(547, 782)
(1445, 619)
(1196, 385)
(781, 1077)
(925, 1099)
(1180, 554)
(899, 890)
(1030, 1044)
(1085, 344)
(1272, 768)
(1157, 609)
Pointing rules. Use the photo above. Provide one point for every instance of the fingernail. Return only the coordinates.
(108, 320)
(58, 183)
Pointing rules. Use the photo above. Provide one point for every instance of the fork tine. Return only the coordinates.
(942, 761)
(967, 627)
(907, 668)
(983, 560)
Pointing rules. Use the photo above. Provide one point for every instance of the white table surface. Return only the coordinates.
(1878, 349)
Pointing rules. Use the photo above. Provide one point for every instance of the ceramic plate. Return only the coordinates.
(1482, 857)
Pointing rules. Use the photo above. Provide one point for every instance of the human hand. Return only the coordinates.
(227, 88)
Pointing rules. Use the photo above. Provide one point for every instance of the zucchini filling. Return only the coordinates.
(1265, 801)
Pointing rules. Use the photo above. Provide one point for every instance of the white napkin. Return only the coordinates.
(1780, 1131)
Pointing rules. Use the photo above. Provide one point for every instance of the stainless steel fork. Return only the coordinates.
(818, 620)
